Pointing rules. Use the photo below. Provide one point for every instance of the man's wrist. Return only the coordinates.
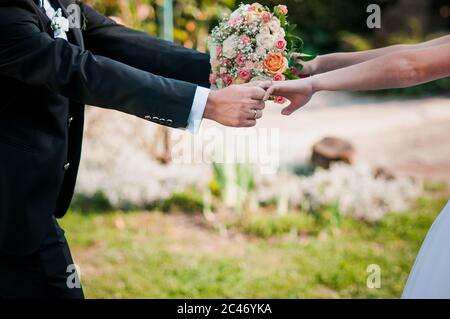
(197, 109)
(211, 105)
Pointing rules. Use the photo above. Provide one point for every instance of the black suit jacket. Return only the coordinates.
(45, 83)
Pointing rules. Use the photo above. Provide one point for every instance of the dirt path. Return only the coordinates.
(408, 136)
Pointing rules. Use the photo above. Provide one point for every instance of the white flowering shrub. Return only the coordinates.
(354, 190)
(116, 162)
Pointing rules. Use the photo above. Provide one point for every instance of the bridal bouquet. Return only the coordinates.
(254, 43)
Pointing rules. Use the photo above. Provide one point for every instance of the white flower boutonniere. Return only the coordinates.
(60, 25)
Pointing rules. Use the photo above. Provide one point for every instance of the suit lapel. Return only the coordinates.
(43, 19)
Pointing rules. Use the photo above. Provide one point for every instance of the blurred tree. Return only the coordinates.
(325, 25)
(192, 18)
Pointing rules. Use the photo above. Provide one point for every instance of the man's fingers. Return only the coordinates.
(254, 114)
(256, 104)
(248, 123)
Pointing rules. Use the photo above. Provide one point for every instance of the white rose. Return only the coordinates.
(229, 46)
(265, 40)
(264, 29)
(274, 25)
(280, 33)
(260, 51)
(235, 14)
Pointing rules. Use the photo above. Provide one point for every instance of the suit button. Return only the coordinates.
(69, 121)
(66, 167)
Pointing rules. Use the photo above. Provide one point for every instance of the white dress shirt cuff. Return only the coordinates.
(198, 108)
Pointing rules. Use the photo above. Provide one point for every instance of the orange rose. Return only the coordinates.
(275, 63)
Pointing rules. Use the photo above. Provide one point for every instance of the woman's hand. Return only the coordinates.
(309, 67)
(298, 92)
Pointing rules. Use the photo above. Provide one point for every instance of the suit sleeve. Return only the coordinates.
(35, 58)
(105, 37)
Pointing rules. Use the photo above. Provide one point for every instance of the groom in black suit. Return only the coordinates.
(45, 81)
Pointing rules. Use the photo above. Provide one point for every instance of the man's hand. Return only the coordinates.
(237, 105)
(298, 92)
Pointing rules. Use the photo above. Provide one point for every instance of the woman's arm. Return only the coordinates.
(395, 70)
(333, 61)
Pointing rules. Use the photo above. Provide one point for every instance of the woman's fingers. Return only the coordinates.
(269, 92)
(262, 84)
(288, 110)
(257, 93)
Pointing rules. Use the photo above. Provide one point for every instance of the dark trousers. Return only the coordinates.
(47, 273)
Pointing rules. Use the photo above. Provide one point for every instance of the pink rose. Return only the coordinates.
(240, 60)
(280, 44)
(279, 99)
(278, 77)
(266, 16)
(283, 9)
(245, 39)
(251, 8)
(227, 79)
(212, 79)
(235, 21)
(244, 74)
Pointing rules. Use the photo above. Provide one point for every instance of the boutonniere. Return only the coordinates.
(60, 25)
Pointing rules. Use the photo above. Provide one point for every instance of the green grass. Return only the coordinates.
(155, 255)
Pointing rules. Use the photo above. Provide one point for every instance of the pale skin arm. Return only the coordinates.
(396, 70)
(333, 61)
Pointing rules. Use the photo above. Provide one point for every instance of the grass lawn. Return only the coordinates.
(156, 255)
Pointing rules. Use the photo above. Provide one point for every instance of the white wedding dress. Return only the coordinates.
(430, 275)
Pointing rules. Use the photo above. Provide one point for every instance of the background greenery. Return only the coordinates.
(148, 254)
(325, 25)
